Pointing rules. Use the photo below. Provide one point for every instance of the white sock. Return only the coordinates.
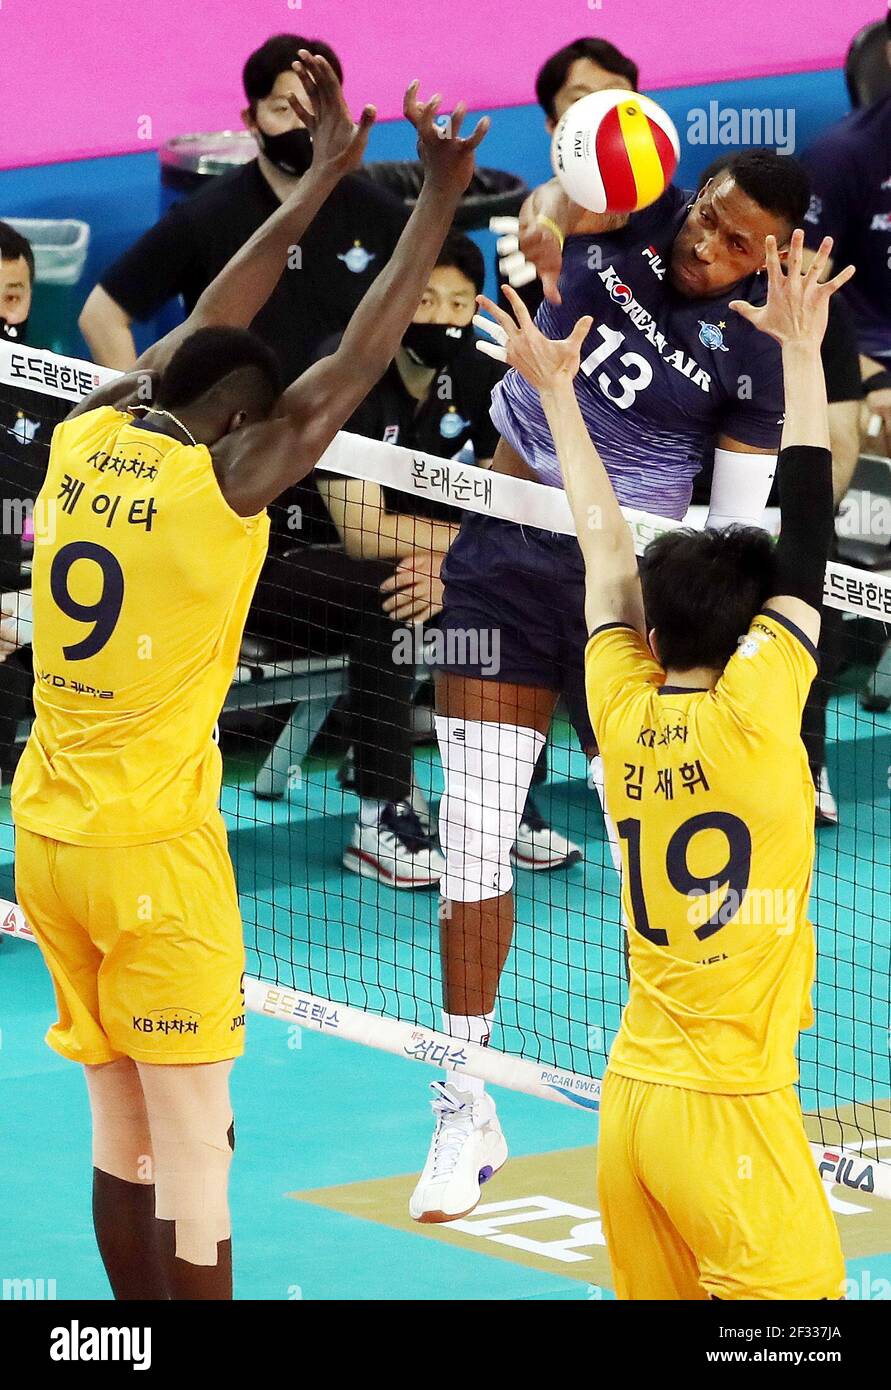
(475, 1028)
(370, 810)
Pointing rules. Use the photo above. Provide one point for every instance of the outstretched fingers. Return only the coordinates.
(840, 279)
(796, 249)
(821, 259)
(473, 140)
(775, 277)
(308, 117)
(580, 333)
(745, 309)
(503, 321)
(524, 318)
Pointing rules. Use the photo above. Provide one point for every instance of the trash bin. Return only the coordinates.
(189, 160)
(60, 252)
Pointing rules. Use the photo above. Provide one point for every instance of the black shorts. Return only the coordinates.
(524, 591)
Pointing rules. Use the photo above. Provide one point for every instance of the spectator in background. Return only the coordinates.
(577, 70)
(364, 593)
(573, 72)
(844, 391)
(850, 169)
(349, 241)
(16, 283)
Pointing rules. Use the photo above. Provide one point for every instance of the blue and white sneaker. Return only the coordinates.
(397, 849)
(538, 845)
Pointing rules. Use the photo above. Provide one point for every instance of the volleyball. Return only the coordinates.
(615, 151)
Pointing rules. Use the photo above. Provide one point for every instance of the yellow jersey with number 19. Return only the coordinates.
(713, 801)
(142, 579)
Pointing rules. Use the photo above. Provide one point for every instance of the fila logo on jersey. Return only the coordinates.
(646, 324)
(657, 265)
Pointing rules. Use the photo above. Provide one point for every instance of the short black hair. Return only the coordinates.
(208, 356)
(553, 74)
(459, 251)
(13, 245)
(776, 182)
(274, 57)
(701, 591)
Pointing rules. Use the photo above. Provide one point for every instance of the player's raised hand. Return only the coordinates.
(542, 361)
(448, 159)
(338, 146)
(797, 305)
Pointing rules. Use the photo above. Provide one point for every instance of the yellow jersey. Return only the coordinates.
(713, 802)
(141, 582)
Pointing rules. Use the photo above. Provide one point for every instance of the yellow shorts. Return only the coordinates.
(144, 946)
(712, 1196)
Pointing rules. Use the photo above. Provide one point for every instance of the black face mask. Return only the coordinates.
(291, 151)
(14, 332)
(435, 345)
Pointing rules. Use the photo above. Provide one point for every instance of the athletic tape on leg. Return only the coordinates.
(190, 1116)
(488, 770)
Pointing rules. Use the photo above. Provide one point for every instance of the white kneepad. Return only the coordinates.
(488, 771)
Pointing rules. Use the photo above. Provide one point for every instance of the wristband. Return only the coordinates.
(551, 226)
(881, 381)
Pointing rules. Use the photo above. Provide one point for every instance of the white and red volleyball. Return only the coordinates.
(615, 151)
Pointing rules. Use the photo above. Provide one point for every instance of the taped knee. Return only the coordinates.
(192, 1188)
(190, 1117)
(488, 770)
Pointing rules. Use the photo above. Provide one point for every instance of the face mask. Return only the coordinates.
(291, 151)
(14, 332)
(434, 344)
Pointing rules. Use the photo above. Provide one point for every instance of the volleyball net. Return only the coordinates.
(353, 955)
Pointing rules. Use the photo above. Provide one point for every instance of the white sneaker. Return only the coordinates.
(421, 807)
(826, 809)
(467, 1149)
(398, 850)
(538, 845)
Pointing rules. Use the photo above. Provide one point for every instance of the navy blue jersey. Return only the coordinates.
(662, 376)
(850, 169)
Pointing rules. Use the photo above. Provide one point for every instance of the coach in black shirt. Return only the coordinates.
(349, 241)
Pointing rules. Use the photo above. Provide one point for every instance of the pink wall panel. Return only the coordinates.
(92, 77)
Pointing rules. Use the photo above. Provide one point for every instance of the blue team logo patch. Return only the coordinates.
(622, 294)
(451, 424)
(711, 336)
(357, 258)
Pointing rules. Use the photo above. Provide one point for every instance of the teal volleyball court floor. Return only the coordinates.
(330, 1134)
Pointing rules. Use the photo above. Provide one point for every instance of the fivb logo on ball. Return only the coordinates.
(615, 151)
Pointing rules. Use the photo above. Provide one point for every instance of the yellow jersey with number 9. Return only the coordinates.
(713, 802)
(142, 578)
